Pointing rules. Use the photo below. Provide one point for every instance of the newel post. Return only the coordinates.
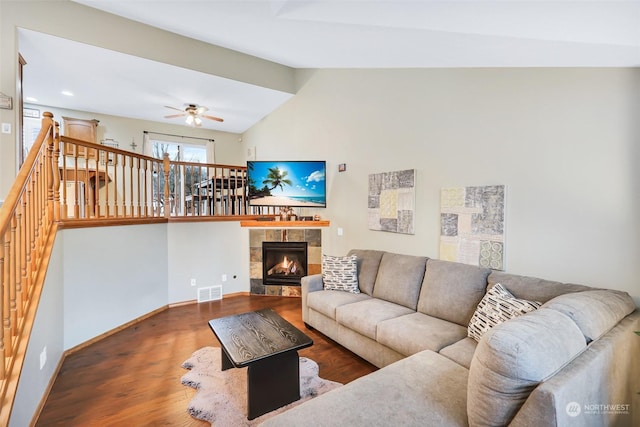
(56, 168)
(50, 168)
(167, 202)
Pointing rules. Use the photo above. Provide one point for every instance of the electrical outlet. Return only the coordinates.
(224, 277)
(340, 231)
(193, 282)
(43, 357)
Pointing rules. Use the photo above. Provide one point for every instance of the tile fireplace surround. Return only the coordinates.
(312, 236)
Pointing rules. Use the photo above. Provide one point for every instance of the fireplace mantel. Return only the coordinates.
(285, 224)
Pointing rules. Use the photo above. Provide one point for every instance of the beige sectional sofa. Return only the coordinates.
(575, 361)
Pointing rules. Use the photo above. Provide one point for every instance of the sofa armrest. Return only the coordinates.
(312, 283)
(308, 284)
(606, 373)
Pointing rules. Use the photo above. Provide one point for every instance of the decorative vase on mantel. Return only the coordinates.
(287, 214)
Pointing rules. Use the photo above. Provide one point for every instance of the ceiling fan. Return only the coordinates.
(194, 114)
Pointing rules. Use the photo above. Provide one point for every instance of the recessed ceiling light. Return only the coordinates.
(67, 93)
(31, 99)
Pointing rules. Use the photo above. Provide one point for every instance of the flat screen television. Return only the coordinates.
(294, 183)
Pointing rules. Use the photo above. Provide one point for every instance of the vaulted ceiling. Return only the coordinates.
(324, 34)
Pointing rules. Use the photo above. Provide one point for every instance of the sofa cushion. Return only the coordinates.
(368, 264)
(513, 358)
(497, 306)
(399, 279)
(364, 316)
(415, 332)
(425, 389)
(595, 312)
(326, 302)
(461, 351)
(532, 288)
(452, 291)
(340, 273)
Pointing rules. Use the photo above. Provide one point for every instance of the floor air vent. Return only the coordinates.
(211, 293)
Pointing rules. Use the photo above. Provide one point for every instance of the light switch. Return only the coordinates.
(6, 128)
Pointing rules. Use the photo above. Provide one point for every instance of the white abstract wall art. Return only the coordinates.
(392, 201)
(472, 225)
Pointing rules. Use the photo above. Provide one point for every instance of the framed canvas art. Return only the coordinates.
(472, 225)
(392, 201)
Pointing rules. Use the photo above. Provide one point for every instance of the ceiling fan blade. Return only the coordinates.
(174, 108)
(173, 116)
(217, 119)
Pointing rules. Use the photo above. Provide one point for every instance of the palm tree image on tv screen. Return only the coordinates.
(287, 183)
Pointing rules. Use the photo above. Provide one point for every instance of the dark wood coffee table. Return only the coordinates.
(268, 346)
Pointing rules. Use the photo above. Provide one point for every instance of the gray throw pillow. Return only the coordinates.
(340, 273)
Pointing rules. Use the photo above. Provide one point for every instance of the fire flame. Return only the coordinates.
(286, 263)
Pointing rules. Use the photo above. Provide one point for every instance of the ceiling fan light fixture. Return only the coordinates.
(192, 113)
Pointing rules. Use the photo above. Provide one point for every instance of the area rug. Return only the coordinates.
(221, 396)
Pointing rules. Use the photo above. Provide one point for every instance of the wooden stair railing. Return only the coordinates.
(27, 224)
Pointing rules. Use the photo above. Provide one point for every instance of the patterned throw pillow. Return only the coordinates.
(497, 306)
(340, 273)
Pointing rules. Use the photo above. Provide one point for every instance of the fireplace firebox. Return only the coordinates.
(283, 263)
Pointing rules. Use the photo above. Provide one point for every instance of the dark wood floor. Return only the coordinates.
(132, 378)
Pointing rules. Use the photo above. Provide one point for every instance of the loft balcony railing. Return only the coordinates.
(106, 183)
(68, 182)
(99, 182)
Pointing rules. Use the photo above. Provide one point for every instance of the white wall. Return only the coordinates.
(112, 275)
(48, 331)
(205, 251)
(563, 141)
